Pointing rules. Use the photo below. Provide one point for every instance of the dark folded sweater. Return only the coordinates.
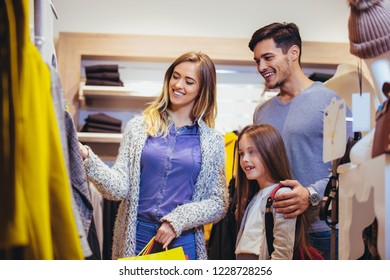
(91, 82)
(105, 76)
(88, 127)
(101, 68)
(102, 118)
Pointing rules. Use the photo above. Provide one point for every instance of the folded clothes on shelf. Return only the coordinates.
(101, 68)
(103, 75)
(97, 127)
(101, 122)
(108, 76)
(94, 82)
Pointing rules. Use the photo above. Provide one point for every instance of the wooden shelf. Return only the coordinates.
(105, 145)
(117, 98)
(92, 137)
(87, 91)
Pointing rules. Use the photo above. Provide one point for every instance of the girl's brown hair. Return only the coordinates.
(271, 149)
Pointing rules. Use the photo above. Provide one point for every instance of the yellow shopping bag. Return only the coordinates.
(169, 254)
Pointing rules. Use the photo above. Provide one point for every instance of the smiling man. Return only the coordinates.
(297, 113)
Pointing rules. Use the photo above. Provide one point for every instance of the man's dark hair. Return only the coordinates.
(285, 35)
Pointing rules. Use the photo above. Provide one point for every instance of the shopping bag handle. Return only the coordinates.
(148, 247)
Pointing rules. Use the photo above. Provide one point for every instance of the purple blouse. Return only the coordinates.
(169, 170)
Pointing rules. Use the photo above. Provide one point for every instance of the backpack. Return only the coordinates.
(299, 253)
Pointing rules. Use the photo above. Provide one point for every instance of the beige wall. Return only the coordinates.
(319, 20)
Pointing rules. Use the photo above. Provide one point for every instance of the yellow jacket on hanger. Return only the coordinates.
(230, 139)
(42, 223)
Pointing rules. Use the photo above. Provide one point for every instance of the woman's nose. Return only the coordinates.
(179, 84)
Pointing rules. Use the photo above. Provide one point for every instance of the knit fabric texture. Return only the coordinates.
(369, 28)
(122, 181)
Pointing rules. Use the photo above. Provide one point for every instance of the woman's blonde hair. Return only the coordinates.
(205, 107)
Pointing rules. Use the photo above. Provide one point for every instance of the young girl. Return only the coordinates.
(263, 165)
(170, 171)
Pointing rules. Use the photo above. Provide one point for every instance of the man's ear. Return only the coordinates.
(294, 52)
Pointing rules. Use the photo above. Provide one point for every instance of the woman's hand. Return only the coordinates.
(292, 203)
(165, 234)
(83, 151)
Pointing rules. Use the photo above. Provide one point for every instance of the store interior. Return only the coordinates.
(143, 37)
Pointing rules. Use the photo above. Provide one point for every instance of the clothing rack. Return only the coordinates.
(42, 18)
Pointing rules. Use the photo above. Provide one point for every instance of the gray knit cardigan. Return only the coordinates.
(121, 183)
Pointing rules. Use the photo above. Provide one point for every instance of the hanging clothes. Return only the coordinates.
(222, 241)
(80, 188)
(44, 14)
(65, 133)
(42, 222)
(230, 140)
(14, 232)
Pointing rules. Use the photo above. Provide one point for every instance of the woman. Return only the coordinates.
(170, 172)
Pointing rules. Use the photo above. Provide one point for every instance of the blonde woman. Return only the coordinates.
(170, 172)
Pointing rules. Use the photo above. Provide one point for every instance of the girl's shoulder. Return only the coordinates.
(282, 189)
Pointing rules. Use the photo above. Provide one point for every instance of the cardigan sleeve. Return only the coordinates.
(113, 183)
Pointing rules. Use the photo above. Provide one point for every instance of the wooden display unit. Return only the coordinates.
(72, 48)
